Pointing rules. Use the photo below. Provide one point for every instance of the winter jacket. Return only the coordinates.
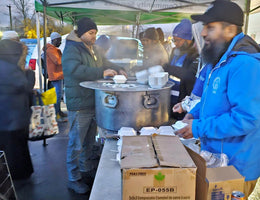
(54, 67)
(80, 65)
(228, 117)
(156, 55)
(16, 86)
(185, 70)
(198, 85)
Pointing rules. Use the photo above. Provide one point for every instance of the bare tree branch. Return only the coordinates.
(23, 8)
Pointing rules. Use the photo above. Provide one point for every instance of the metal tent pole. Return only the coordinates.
(44, 45)
(45, 56)
(247, 15)
(39, 49)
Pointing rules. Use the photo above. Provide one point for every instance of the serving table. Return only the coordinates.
(107, 183)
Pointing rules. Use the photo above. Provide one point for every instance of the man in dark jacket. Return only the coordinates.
(16, 86)
(82, 62)
(183, 62)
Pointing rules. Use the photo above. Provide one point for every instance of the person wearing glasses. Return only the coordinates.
(183, 62)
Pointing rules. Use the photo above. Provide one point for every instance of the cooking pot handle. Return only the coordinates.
(151, 101)
(110, 101)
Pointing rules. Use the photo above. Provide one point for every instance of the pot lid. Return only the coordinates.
(109, 85)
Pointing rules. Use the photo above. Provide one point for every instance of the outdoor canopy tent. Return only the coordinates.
(120, 12)
(126, 12)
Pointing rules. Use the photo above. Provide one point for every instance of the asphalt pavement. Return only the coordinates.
(49, 180)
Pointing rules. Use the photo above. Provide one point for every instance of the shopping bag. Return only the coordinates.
(49, 118)
(49, 96)
(43, 122)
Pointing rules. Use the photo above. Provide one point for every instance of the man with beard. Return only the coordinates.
(82, 62)
(183, 62)
(227, 120)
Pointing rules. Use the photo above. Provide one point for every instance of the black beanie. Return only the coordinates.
(84, 25)
(151, 33)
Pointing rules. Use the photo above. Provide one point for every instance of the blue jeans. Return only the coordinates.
(58, 88)
(83, 129)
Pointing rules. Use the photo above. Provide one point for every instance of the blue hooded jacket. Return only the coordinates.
(227, 120)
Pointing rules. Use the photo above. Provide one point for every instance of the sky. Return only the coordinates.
(4, 11)
(4, 17)
(254, 26)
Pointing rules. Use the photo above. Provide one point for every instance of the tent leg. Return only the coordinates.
(44, 142)
(44, 44)
(39, 49)
(247, 15)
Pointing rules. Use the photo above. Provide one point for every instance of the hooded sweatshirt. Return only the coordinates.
(227, 120)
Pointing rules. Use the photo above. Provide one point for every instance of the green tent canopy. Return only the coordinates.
(122, 12)
(130, 12)
(111, 17)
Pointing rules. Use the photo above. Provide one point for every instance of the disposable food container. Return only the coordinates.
(119, 79)
(158, 80)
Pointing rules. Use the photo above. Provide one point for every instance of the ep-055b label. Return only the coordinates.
(159, 189)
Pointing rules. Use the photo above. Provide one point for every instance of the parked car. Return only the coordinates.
(30, 43)
(126, 52)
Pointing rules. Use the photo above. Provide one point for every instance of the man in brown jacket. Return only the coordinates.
(54, 69)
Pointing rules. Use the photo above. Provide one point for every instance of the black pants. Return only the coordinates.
(15, 146)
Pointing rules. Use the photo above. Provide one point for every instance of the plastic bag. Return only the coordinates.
(214, 159)
(49, 96)
(189, 103)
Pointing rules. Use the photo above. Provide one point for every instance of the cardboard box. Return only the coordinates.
(222, 181)
(201, 185)
(156, 167)
(160, 167)
(215, 183)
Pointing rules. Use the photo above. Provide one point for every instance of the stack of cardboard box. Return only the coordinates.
(161, 167)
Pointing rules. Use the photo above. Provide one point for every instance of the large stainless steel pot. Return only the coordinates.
(134, 107)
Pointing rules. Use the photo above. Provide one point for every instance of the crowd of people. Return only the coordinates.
(223, 93)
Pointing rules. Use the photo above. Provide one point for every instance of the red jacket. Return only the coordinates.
(54, 67)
